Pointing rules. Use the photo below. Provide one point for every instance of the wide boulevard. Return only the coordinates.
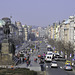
(49, 70)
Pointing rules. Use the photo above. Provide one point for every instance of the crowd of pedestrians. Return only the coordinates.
(27, 61)
(22, 59)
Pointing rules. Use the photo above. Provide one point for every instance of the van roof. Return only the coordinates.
(49, 52)
(48, 55)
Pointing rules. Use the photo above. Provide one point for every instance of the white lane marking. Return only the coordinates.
(46, 66)
(61, 67)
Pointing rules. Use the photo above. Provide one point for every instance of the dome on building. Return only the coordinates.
(2, 23)
(6, 19)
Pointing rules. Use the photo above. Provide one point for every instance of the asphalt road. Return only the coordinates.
(58, 71)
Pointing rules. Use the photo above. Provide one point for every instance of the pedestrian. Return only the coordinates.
(27, 63)
(42, 64)
(44, 54)
(12, 67)
(35, 59)
(25, 59)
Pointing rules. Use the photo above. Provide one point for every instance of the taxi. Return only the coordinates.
(68, 62)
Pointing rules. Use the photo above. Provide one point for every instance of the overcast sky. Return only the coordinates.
(37, 12)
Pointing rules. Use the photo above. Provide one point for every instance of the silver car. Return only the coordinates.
(68, 67)
(54, 64)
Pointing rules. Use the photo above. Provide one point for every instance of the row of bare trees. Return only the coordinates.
(66, 48)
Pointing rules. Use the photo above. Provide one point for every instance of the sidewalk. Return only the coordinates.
(33, 66)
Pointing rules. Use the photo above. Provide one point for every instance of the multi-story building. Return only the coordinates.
(48, 31)
(41, 32)
(20, 28)
(64, 31)
(34, 31)
(67, 30)
(14, 33)
(26, 32)
(61, 31)
(57, 32)
(51, 32)
(54, 26)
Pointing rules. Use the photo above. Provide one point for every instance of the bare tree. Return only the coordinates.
(69, 49)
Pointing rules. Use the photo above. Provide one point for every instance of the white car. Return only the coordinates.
(68, 67)
(54, 64)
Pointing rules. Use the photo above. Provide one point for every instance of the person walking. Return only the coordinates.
(35, 60)
(27, 63)
(42, 64)
(25, 59)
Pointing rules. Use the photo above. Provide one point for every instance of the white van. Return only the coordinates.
(48, 58)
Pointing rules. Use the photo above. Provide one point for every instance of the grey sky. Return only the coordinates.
(37, 12)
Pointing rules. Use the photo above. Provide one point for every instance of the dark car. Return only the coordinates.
(59, 58)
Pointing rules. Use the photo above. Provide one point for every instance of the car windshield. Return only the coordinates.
(54, 62)
(68, 62)
(68, 65)
(49, 53)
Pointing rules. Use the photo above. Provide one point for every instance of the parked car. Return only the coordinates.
(68, 67)
(59, 58)
(54, 64)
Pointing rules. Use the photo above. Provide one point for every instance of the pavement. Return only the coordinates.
(33, 65)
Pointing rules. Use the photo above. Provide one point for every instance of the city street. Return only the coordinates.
(47, 65)
(55, 71)
(37, 35)
(49, 70)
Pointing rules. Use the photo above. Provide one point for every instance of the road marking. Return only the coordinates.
(61, 67)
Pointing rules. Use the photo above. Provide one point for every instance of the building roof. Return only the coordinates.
(67, 21)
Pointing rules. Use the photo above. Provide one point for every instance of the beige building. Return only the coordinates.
(51, 33)
(57, 32)
(54, 26)
(20, 28)
(26, 32)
